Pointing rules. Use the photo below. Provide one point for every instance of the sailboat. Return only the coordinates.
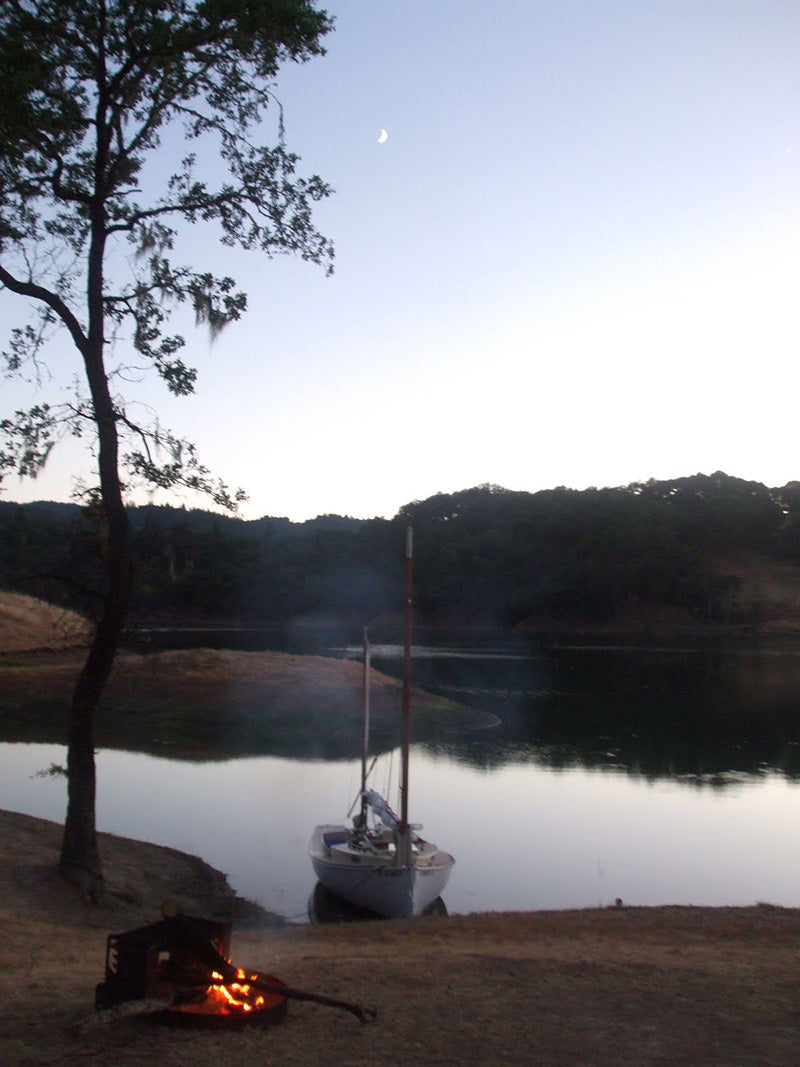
(380, 862)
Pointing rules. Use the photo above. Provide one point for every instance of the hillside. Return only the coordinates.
(764, 600)
(29, 624)
(768, 592)
(202, 702)
(706, 553)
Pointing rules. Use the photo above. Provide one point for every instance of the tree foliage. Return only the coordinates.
(97, 96)
(555, 560)
(91, 91)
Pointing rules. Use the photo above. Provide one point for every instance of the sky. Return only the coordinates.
(573, 262)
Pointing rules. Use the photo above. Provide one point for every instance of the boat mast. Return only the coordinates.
(365, 731)
(404, 836)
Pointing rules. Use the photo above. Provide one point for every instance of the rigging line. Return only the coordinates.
(357, 797)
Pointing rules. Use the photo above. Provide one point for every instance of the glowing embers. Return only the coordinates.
(240, 996)
(232, 1003)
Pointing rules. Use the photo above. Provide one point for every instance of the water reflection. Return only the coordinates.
(325, 909)
(702, 715)
(657, 776)
(524, 836)
(695, 715)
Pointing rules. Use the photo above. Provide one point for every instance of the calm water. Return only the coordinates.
(670, 777)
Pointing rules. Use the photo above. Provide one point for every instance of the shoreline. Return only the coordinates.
(613, 986)
(616, 987)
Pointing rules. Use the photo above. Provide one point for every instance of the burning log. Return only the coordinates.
(362, 1013)
(231, 975)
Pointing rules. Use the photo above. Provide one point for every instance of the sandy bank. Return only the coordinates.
(627, 986)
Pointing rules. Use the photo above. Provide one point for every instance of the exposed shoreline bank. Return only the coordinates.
(623, 986)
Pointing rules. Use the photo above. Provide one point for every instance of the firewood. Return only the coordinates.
(128, 1008)
(363, 1014)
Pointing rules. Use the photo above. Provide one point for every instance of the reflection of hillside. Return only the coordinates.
(215, 705)
(698, 715)
(704, 716)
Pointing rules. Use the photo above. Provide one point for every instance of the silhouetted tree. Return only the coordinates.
(89, 89)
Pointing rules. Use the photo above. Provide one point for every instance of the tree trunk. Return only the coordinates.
(80, 856)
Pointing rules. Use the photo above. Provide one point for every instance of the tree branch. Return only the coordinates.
(53, 300)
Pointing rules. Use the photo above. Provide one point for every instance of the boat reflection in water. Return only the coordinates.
(325, 909)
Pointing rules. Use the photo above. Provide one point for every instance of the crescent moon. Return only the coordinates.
(383, 137)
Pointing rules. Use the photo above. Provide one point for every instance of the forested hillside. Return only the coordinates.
(696, 552)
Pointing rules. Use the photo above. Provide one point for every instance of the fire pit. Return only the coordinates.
(183, 962)
(178, 971)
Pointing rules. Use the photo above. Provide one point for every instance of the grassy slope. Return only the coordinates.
(27, 623)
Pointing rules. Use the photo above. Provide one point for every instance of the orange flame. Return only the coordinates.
(238, 994)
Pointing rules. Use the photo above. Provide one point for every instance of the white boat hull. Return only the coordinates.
(375, 880)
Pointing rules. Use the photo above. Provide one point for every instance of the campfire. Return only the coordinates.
(178, 971)
(183, 962)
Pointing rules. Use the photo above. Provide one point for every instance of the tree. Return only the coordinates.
(91, 89)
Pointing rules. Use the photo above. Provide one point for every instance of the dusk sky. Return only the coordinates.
(574, 261)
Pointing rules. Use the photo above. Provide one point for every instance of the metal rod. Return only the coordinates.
(406, 736)
(365, 730)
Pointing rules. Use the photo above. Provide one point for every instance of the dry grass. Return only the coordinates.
(28, 624)
(629, 986)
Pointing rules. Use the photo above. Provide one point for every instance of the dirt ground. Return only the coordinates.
(617, 986)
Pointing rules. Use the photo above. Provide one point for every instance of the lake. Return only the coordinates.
(667, 776)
